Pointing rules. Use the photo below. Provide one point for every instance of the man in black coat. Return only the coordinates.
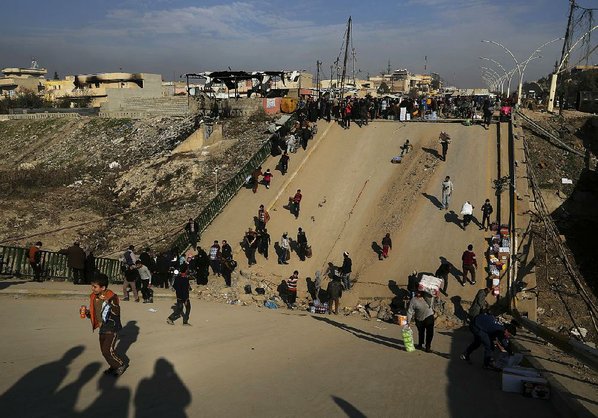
(76, 261)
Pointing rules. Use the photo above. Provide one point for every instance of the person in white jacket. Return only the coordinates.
(467, 212)
(285, 249)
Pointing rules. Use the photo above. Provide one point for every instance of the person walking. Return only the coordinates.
(346, 271)
(264, 243)
(283, 163)
(146, 282)
(467, 212)
(192, 228)
(487, 108)
(268, 178)
(104, 313)
(215, 258)
(386, 246)
(469, 264)
(420, 308)
(292, 289)
(76, 261)
(442, 272)
(255, 178)
(487, 210)
(445, 140)
(447, 192)
(262, 218)
(285, 248)
(301, 244)
(130, 282)
(183, 303)
(296, 203)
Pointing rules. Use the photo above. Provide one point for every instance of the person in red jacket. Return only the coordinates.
(34, 255)
(469, 264)
(295, 203)
(104, 312)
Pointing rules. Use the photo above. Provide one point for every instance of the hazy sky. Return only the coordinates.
(178, 36)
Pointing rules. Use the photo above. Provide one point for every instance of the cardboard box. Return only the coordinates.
(513, 378)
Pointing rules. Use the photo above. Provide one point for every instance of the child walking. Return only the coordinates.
(104, 312)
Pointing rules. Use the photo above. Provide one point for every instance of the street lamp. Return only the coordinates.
(496, 76)
(491, 83)
(523, 64)
(508, 76)
(489, 76)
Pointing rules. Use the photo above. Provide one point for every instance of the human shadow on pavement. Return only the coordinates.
(348, 408)
(433, 199)
(377, 249)
(163, 394)
(64, 401)
(459, 310)
(127, 336)
(452, 217)
(112, 401)
(40, 383)
(394, 288)
(378, 339)
(432, 152)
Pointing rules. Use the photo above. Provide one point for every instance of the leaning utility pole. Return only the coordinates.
(344, 74)
(318, 64)
(568, 32)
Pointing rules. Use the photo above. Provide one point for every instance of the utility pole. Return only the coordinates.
(564, 57)
(318, 64)
(353, 56)
(346, 55)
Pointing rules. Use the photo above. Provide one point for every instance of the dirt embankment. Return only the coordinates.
(573, 209)
(56, 174)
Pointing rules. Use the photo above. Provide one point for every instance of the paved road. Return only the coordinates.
(237, 361)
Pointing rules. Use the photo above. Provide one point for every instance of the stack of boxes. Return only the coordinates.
(498, 256)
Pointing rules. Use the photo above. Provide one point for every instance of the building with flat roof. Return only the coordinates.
(17, 80)
(109, 90)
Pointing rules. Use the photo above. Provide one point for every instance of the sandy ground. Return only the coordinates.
(237, 361)
(353, 195)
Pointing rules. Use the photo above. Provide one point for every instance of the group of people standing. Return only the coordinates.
(81, 265)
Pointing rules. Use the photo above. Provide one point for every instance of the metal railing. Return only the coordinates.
(14, 261)
(577, 349)
(212, 209)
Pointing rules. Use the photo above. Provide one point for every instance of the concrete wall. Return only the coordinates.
(39, 116)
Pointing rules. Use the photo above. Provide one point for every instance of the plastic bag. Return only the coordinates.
(408, 339)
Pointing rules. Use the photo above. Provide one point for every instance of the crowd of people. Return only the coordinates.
(171, 269)
(361, 110)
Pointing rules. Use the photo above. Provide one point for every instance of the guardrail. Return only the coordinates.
(577, 349)
(14, 262)
(209, 213)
